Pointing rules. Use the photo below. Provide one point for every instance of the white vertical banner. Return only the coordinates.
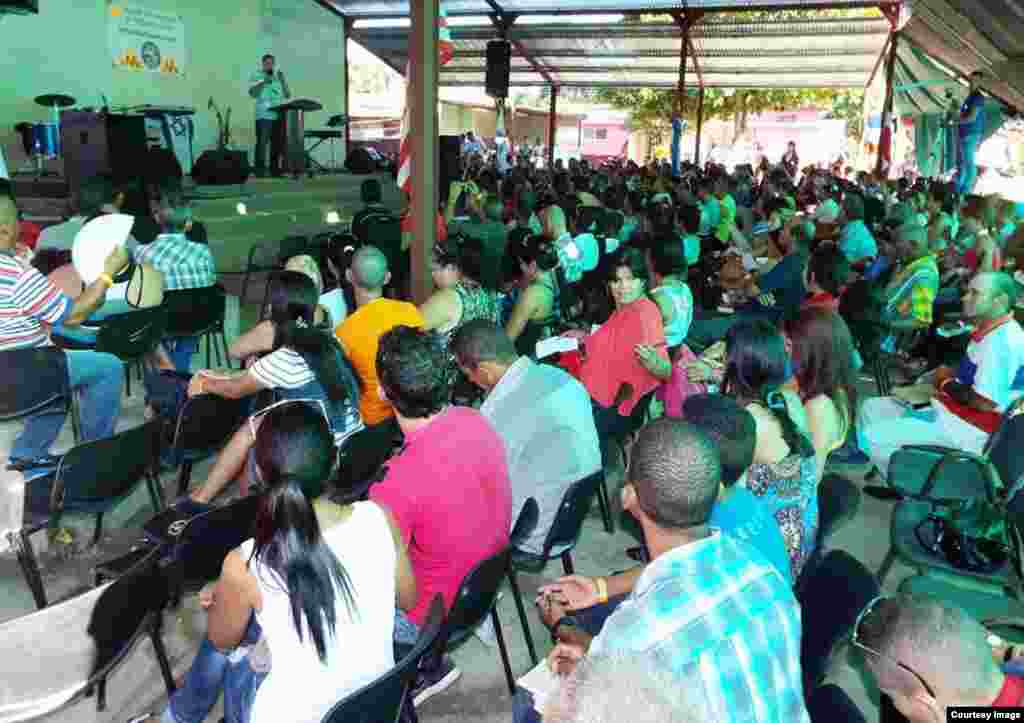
(147, 40)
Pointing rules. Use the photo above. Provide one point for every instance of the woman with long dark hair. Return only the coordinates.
(784, 473)
(823, 354)
(304, 612)
(286, 354)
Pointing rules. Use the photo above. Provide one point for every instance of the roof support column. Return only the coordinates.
(681, 87)
(346, 99)
(552, 126)
(700, 126)
(423, 95)
(885, 132)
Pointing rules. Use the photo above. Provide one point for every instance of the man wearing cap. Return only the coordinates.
(856, 241)
(29, 304)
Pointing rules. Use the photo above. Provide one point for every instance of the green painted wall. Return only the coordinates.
(64, 49)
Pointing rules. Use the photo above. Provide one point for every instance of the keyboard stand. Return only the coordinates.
(321, 138)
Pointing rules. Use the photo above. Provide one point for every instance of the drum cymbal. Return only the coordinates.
(55, 99)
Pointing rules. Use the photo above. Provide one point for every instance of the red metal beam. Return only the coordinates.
(891, 11)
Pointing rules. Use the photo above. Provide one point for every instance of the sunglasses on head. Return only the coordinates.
(858, 643)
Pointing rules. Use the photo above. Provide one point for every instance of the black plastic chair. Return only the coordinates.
(42, 382)
(476, 598)
(199, 313)
(270, 257)
(91, 478)
(94, 631)
(204, 425)
(637, 419)
(563, 536)
(988, 475)
(831, 596)
(830, 704)
(130, 337)
(383, 700)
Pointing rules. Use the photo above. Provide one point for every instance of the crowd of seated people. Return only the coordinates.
(747, 305)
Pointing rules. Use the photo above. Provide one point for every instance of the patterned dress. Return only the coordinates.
(790, 489)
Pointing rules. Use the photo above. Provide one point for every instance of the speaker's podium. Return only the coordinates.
(293, 133)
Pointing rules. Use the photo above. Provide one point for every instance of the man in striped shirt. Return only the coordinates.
(29, 305)
(708, 607)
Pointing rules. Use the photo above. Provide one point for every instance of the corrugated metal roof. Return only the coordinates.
(964, 35)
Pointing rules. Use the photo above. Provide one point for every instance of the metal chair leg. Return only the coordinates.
(156, 493)
(224, 345)
(184, 477)
(161, 655)
(522, 615)
(97, 533)
(606, 508)
(567, 562)
(30, 568)
(504, 652)
(890, 558)
(101, 695)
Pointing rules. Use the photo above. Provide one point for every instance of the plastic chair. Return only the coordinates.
(562, 536)
(42, 376)
(831, 704)
(475, 599)
(384, 699)
(204, 425)
(130, 337)
(270, 257)
(831, 596)
(987, 475)
(79, 643)
(91, 478)
(199, 313)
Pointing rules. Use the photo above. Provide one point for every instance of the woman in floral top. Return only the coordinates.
(784, 473)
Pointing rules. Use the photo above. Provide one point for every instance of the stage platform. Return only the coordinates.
(275, 208)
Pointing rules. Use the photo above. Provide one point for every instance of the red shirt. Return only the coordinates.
(28, 233)
(1012, 693)
(449, 491)
(824, 300)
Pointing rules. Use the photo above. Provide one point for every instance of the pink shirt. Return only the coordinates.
(450, 494)
(611, 354)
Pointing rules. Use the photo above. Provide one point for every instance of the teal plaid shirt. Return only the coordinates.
(184, 264)
(717, 611)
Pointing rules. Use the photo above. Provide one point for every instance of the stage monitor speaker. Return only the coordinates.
(221, 168)
(102, 144)
(449, 163)
(499, 65)
(161, 165)
(19, 7)
(360, 162)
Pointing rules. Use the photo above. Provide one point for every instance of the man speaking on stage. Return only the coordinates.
(269, 88)
(972, 128)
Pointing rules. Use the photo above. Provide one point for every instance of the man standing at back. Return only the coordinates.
(543, 415)
(448, 488)
(360, 336)
(492, 234)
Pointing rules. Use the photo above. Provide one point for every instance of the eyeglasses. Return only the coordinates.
(857, 643)
(254, 419)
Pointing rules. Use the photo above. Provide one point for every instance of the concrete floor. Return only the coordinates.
(276, 208)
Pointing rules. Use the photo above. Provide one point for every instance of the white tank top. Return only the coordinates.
(300, 688)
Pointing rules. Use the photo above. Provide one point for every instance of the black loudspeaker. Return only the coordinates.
(161, 164)
(102, 144)
(221, 168)
(449, 164)
(359, 161)
(499, 65)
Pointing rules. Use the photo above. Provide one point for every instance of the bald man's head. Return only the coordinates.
(8, 223)
(369, 270)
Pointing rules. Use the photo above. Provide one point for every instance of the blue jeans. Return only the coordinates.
(86, 333)
(406, 631)
(180, 350)
(98, 379)
(523, 710)
(214, 671)
(968, 171)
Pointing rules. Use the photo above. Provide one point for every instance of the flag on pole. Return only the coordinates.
(446, 50)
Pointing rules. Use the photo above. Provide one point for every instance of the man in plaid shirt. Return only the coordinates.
(707, 607)
(184, 264)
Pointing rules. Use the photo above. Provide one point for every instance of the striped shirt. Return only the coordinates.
(27, 301)
(282, 369)
(184, 264)
(715, 610)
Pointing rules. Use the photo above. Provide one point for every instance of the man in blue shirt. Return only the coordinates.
(706, 606)
(972, 127)
(268, 88)
(855, 240)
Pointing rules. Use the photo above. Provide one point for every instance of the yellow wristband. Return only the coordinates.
(107, 279)
(602, 589)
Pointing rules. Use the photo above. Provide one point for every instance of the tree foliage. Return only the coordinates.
(652, 108)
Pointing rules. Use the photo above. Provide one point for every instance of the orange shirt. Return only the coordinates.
(360, 335)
